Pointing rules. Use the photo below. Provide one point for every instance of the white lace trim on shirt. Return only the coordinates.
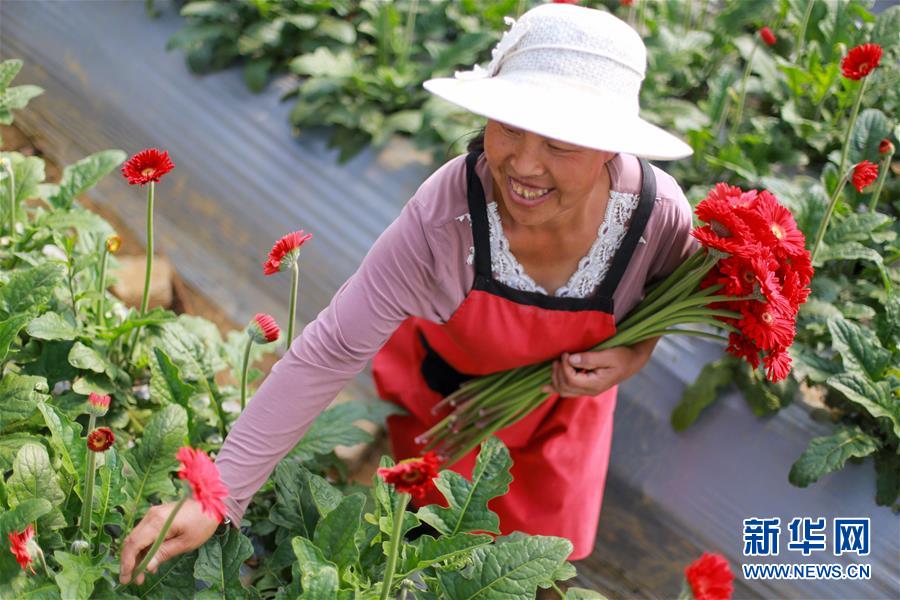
(592, 267)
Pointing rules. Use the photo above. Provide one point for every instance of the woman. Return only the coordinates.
(529, 250)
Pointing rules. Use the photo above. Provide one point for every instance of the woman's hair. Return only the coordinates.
(476, 144)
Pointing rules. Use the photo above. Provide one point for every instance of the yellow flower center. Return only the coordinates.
(777, 230)
(767, 318)
(148, 171)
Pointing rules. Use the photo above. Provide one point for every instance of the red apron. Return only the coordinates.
(561, 450)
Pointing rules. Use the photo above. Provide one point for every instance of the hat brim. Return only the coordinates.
(557, 112)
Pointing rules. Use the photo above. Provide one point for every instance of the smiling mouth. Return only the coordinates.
(527, 192)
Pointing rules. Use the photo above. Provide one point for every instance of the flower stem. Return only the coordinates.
(88, 500)
(801, 38)
(823, 225)
(853, 115)
(292, 309)
(244, 369)
(399, 511)
(159, 539)
(145, 298)
(11, 184)
(743, 93)
(104, 261)
(885, 166)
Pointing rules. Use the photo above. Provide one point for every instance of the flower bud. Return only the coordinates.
(263, 329)
(100, 439)
(79, 547)
(97, 405)
(886, 147)
(113, 243)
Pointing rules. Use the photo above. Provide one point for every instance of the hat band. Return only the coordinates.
(582, 50)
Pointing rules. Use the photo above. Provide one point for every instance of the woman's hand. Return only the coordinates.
(190, 529)
(592, 373)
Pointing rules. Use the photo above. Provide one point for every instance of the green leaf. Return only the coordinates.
(577, 593)
(426, 550)
(19, 396)
(887, 468)
(256, 74)
(173, 581)
(167, 387)
(468, 510)
(507, 569)
(85, 357)
(148, 464)
(335, 534)
(337, 29)
(78, 575)
(10, 444)
(324, 63)
(9, 329)
(84, 174)
(296, 507)
(886, 29)
(8, 70)
(24, 513)
(331, 428)
(29, 174)
(714, 377)
(109, 493)
(870, 128)
(320, 576)
(858, 348)
(81, 219)
(829, 453)
(51, 326)
(848, 251)
(30, 289)
(65, 438)
(185, 349)
(857, 227)
(219, 563)
(875, 397)
(33, 477)
(16, 98)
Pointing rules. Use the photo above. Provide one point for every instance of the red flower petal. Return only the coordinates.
(18, 545)
(864, 175)
(100, 439)
(710, 578)
(412, 476)
(146, 166)
(767, 36)
(778, 364)
(206, 484)
(97, 400)
(264, 329)
(861, 61)
(284, 252)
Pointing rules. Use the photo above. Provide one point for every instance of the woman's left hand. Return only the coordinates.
(592, 373)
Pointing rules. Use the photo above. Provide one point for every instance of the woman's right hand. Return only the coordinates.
(190, 529)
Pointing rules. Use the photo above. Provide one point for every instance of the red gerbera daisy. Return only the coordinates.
(100, 439)
(263, 329)
(864, 175)
(206, 484)
(767, 36)
(18, 545)
(767, 326)
(284, 252)
(861, 61)
(146, 166)
(412, 476)
(710, 578)
(778, 364)
(741, 346)
(779, 229)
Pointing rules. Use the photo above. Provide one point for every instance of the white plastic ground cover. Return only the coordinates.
(241, 181)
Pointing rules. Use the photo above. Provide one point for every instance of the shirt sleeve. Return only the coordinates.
(394, 281)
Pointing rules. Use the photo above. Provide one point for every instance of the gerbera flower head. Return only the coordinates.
(778, 364)
(864, 175)
(100, 439)
(767, 36)
(767, 326)
(284, 253)
(710, 578)
(146, 166)
(23, 547)
(743, 347)
(202, 475)
(263, 329)
(777, 227)
(97, 404)
(861, 61)
(412, 476)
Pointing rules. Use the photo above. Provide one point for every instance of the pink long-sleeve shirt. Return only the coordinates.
(417, 267)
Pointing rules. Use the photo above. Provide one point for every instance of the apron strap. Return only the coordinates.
(633, 235)
(481, 237)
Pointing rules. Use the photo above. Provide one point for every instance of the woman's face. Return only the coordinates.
(543, 181)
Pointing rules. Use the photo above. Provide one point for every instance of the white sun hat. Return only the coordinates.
(569, 73)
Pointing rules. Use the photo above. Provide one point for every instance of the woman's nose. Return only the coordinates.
(526, 159)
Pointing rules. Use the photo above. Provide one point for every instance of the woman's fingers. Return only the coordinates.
(137, 542)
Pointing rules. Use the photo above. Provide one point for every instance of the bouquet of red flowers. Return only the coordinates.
(748, 278)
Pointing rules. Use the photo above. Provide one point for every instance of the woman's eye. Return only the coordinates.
(510, 130)
(558, 149)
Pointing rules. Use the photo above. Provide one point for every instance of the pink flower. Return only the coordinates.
(146, 166)
(284, 252)
(18, 545)
(263, 329)
(767, 36)
(202, 475)
(98, 404)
